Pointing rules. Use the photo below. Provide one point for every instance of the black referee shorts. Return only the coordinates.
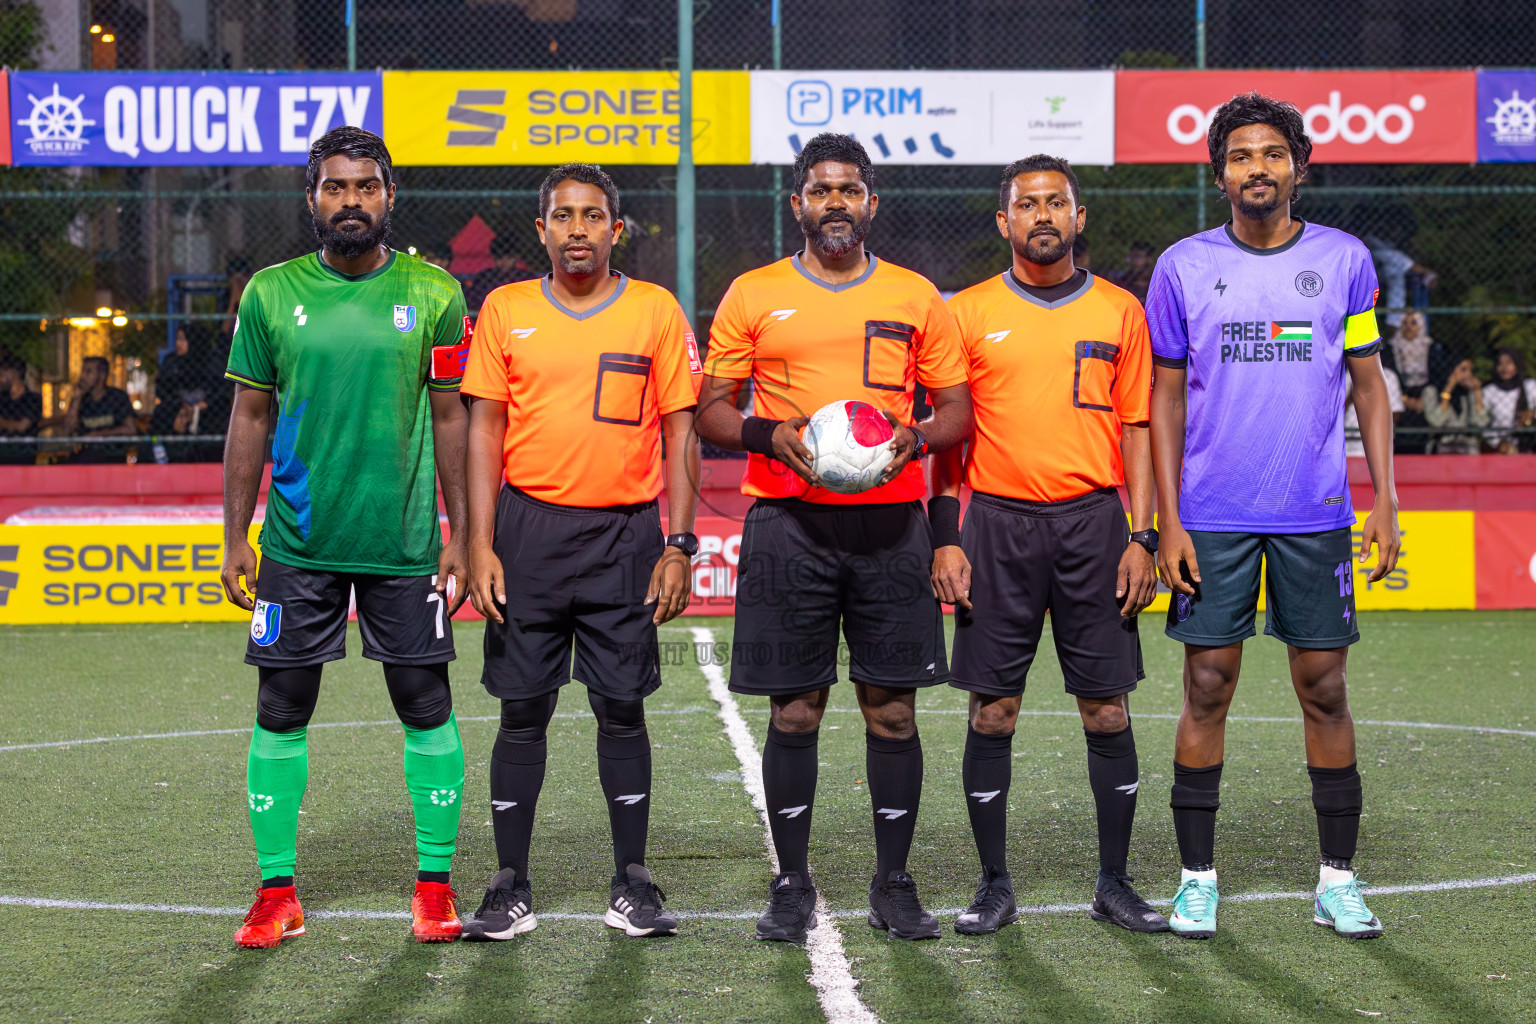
(1029, 557)
(808, 569)
(574, 575)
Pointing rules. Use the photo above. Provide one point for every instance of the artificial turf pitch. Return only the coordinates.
(163, 821)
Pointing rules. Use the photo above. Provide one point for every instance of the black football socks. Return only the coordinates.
(1337, 798)
(1196, 798)
(789, 787)
(624, 768)
(987, 772)
(1113, 776)
(894, 769)
(517, 775)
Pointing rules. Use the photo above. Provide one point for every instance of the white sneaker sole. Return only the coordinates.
(614, 919)
(521, 925)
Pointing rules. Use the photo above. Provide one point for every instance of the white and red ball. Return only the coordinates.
(850, 444)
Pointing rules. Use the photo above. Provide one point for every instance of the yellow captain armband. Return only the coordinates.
(1360, 330)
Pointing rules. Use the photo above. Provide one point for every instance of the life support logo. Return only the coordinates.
(405, 318)
(266, 623)
(1355, 123)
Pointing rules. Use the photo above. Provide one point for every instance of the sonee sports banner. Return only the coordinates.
(188, 119)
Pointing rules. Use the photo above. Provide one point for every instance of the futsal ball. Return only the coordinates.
(850, 445)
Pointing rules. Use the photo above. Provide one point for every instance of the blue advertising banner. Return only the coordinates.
(148, 119)
(1506, 116)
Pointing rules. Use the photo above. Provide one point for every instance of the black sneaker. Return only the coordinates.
(634, 904)
(791, 909)
(1116, 902)
(991, 908)
(507, 910)
(893, 907)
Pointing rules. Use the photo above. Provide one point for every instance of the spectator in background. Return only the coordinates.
(20, 411)
(98, 410)
(1353, 446)
(506, 267)
(1079, 253)
(1456, 400)
(1392, 269)
(1137, 275)
(1510, 399)
(1410, 347)
(192, 397)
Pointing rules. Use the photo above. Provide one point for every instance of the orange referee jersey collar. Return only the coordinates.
(795, 259)
(1082, 290)
(568, 311)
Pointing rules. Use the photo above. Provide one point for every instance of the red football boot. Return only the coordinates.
(433, 918)
(274, 916)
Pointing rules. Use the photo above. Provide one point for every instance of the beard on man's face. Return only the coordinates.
(835, 245)
(351, 233)
(1255, 207)
(1043, 246)
(588, 265)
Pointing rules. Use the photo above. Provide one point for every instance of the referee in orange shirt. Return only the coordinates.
(1060, 370)
(835, 323)
(575, 378)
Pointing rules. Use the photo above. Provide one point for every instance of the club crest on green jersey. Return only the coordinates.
(405, 318)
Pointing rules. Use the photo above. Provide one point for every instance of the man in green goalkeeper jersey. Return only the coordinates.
(356, 351)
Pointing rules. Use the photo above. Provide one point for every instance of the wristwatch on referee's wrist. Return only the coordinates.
(920, 445)
(687, 543)
(1147, 539)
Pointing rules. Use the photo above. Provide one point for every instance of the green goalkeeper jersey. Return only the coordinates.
(351, 360)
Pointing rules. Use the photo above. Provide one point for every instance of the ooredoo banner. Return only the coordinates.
(1377, 117)
(937, 117)
(190, 119)
(5, 104)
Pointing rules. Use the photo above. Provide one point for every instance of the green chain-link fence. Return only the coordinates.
(133, 241)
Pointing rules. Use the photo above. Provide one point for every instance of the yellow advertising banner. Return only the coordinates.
(170, 573)
(1436, 567)
(149, 573)
(462, 118)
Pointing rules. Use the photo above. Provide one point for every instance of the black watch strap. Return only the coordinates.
(687, 543)
(921, 448)
(1147, 539)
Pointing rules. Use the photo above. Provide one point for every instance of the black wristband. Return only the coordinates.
(757, 435)
(944, 520)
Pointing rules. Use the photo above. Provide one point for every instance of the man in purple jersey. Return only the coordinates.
(1253, 326)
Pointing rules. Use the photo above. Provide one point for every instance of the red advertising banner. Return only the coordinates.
(5, 105)
(1506, 559)
(1361, 117)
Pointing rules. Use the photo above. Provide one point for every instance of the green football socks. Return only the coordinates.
(434, 774)
(276, 774)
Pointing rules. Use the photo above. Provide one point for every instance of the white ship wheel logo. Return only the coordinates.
(57, 117)
(1514, 120)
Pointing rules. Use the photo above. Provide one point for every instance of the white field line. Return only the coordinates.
(1232, 718)
(831, 976)
(1494, 882)
(650, 712)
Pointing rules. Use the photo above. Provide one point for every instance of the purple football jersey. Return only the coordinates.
(1263, 334)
